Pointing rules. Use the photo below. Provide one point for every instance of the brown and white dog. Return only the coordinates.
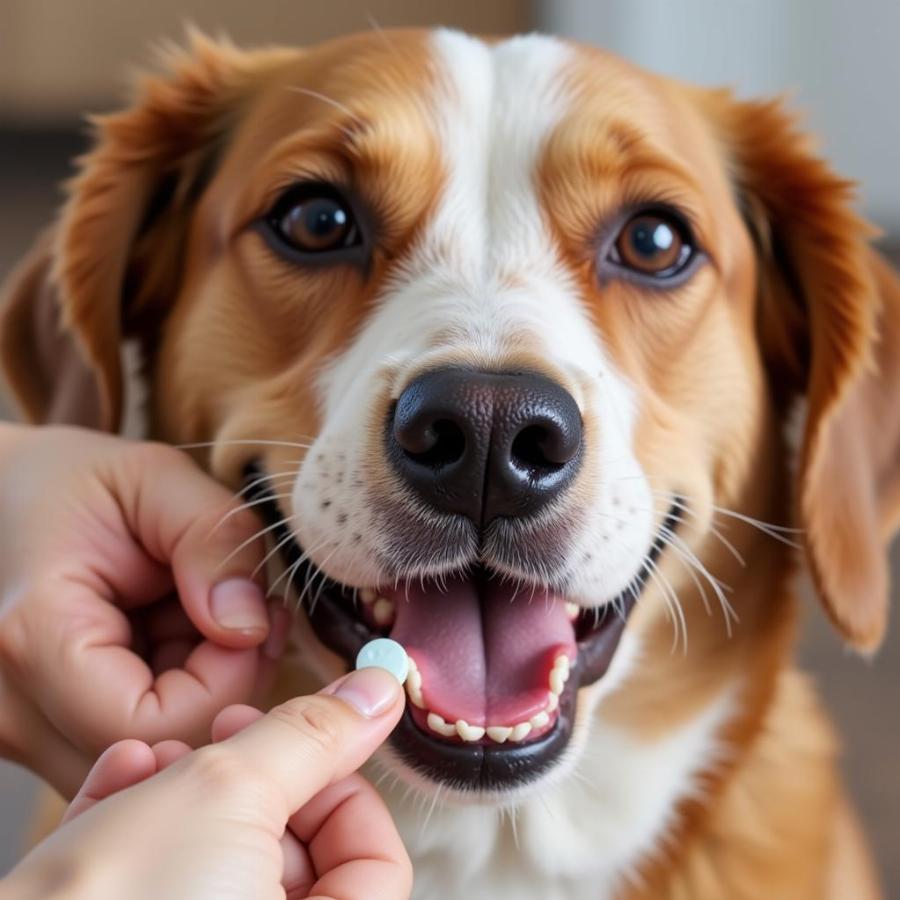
(509, 332)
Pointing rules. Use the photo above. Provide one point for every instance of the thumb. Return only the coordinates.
(302, 746)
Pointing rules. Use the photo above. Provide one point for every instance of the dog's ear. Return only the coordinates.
(44, 366)
(829, 327)
(112, 261)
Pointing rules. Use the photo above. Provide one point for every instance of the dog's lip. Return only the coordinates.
(471, 766)
(485, 767)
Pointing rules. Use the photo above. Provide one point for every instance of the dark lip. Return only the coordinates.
(469, 767)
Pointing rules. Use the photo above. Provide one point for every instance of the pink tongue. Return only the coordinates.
(484, 651)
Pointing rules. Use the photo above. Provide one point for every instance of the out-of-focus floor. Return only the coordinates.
(862, 696)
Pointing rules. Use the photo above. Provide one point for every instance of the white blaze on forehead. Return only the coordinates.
(497, 107)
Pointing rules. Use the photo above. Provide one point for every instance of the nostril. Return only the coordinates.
(485, 444)
(438, 444)
(536, 450)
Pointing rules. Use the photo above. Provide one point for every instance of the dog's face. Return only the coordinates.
(498, 330)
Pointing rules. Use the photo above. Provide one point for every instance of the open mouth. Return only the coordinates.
(495, 667)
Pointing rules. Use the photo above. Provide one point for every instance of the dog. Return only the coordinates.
(507, 340)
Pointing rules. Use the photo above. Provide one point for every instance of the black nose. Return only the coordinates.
(485, 444)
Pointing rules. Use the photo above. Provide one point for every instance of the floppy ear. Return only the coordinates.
(112, 261)
(44, 366)
(829, 325)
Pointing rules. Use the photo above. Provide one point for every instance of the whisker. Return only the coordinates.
(689, 568)
(294, 568)
(513, 810)
(279, 544)
(335, 104)
(669, 594)
(315, 571)
(777, 532)
(430, 813)
(718, 587)
(198, 445)
(260, 479)
(376, 27)
(252, 538)
(692, 562)
(682, 507)
(289, 571)
(248, 505)
(320, 570)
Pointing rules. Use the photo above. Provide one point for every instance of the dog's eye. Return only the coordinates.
(314, 220)
(317, 224)
(654, 244)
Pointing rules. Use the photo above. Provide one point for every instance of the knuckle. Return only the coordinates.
(155, 455)
(216, 768)
(137, 459)
(14, 642)
(314, 722)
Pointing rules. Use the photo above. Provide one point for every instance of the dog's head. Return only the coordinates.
(503, 331)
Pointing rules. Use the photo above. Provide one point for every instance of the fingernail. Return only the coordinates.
(280, 621)
(370, 692)
(238, 605)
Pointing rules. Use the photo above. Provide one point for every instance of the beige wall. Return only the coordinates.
(61, 57)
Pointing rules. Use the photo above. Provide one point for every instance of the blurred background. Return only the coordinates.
(838, 62)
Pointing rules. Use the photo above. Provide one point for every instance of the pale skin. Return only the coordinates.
(114, 622)
(272, 811)
(128, 618)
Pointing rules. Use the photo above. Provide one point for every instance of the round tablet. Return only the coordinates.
(383, 653)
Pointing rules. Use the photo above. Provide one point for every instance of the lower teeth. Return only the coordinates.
(499, 734)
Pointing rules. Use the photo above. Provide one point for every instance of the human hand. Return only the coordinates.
(272, 811)
(98, 533)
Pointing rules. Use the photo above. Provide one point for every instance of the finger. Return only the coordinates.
(121, 765)
(298, 874)
(170, 655)
(125, 700)
(183, 702)
(190, 523)
(309, 742)
(233, 719)
(168, 752)
(279, 630)
(353, 843)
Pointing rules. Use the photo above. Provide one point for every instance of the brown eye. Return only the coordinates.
(655, 244)
(313, 222)
(317, 224)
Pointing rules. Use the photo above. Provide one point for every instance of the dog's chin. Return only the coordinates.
(495, 668)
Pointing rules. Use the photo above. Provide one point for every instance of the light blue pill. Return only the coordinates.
(383, 653)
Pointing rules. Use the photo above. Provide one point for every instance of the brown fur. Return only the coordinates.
(153, 242)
